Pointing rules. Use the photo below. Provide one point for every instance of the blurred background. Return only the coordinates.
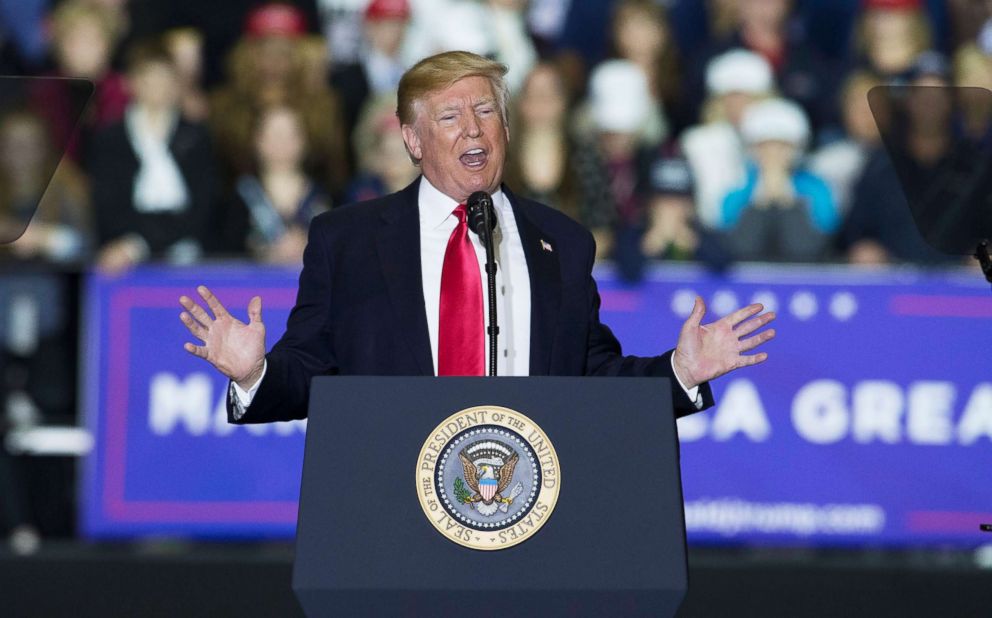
(715, 147)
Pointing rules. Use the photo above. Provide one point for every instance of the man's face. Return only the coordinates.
(460, 138)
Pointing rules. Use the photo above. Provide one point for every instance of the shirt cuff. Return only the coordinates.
(242, 398)
(692, 393)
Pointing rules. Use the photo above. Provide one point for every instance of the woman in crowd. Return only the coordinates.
(152, 174)
(640, 33)
(541, 164)
(274, 203)
(842, 161)
(266, 68)
(383, 164)
(611, 160)
(186, 47)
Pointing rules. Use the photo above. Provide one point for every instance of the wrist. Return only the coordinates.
(682, 374)
(249, 380)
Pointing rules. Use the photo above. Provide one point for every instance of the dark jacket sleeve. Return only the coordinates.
(304, 350)
(604, 357)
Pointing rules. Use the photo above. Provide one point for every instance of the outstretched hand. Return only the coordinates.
(236, 349)
(705, 352)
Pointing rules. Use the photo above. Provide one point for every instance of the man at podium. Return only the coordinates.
(393, 286)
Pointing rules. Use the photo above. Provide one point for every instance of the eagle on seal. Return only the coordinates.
(488, 471)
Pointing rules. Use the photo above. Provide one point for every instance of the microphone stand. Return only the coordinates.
(493, 329)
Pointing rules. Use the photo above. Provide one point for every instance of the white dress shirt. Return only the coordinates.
(512, 278)
(512, 286)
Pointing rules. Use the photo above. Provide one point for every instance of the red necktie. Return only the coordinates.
(460, 340)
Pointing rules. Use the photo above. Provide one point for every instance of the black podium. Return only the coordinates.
(613, 545)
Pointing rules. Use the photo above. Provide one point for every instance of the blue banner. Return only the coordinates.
(871, 423)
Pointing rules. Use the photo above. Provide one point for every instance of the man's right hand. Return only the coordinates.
(236, 349)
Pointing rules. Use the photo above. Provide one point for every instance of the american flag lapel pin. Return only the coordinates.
(546, 246)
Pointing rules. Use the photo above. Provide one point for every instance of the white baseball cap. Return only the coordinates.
(739, 70)
(618, 96)
(777, 120)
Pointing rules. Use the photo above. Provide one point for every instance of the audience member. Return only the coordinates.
(341, 24)
(153, 178)
(640, 33)
(714, 148)
(783, 212)
(771, 29)
(841, 162)
(672, 230)
(23, 36)
(493, 28)
(379, 65)
(83, 40)
(893, 33)
(541, 160)
(266, 69)
(879, 227)
(186, 48)
(54, 201)
(278, 198)
(546, 22)
(611, 161)
(973, 72)
(383, 164)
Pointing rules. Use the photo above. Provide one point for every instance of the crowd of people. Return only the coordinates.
(714, 131)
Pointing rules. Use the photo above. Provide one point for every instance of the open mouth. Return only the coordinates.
(474, 159)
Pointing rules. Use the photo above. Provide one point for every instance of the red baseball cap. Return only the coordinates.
(893, 5)
(275, 20)
(388, 9)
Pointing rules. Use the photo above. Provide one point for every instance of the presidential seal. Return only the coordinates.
(488, 478)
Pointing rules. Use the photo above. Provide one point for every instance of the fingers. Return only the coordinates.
(748, 327)
(752, 342)
(198, 313)
(753, 359)
(255, 309)
(194, 327)
(212, 302)
(196, 350)
(744, 313)
(698, 311)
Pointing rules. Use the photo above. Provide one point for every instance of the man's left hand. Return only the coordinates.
(707, 352)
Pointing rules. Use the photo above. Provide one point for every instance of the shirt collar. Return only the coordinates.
(436, 207)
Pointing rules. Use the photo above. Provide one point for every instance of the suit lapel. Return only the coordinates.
(545, 286)
(398, 246)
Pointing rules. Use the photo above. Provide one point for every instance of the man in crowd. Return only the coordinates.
(394, 286)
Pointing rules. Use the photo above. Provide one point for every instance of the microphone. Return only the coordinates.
(479, 209)
(481, 218)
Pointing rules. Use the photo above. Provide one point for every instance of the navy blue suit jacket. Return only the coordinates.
(360, 306)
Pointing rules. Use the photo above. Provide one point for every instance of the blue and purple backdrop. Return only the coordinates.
(871, 424)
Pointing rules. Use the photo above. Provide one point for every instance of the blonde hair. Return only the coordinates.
(435, 73)
(920, 34)
(68, 14)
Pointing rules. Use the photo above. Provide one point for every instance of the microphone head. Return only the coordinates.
(478, 206)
